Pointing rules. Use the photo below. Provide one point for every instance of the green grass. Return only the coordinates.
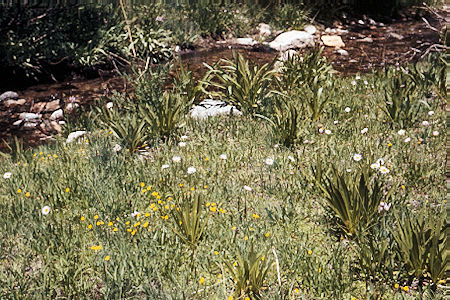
(284, 214)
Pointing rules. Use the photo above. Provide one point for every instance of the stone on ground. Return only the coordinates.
(210, 108)
(294, 39)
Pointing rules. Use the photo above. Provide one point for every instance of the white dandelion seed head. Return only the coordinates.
(247, 188)
(347, 109)
(191, 170)
(45, 210)
(223, 156)
(269, 161)
(7, 175)
(176, 159)
(401, 132)
(357, 157)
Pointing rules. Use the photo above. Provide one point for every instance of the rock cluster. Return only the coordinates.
(44, 118)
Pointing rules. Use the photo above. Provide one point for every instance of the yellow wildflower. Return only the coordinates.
(107, 258)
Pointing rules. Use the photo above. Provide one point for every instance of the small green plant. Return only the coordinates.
(307, 81)
(289, 16)
(286, 122)
(249, 272)
(401, 104)
(354, 199)
(421, 241)
(244, 86)
(190, 220)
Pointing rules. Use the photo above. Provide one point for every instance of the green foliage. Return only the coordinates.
(401, 104)
(289, 16)
(421, 241)
(249, 271)
(190, 220)
(307, 80)
(354, 199)
(286, 122)
(244, 86)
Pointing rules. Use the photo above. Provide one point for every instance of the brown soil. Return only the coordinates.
(363, 57)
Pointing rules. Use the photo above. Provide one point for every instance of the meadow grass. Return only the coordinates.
(113, 229)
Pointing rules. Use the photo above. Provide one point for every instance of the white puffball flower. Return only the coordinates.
(430, 113)
(247, 188)
(7, 175)
(435, 133)
(116, 148)
(45, 210)
(347, 109)
(182, 144)
(357, 157)
(407, 140)
(184, 137)
(425, 123)
(364, 130)
(336, 122)
(365, 82)
(223, 156)
(109, 105)
(269, 161)
(327, 131)
(357, 77)
(191, 170)
(384, 170)
(291, 158)
(353, 82)
(401, 132)
(176, 159)
(164, 167)
(348, 170)
(320, 130)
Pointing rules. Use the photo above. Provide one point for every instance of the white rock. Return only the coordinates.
(311, 29)
(13, 103)
(396, 36)
(75, 135)
(18, 122)
(246, 41)
(29, 125)
(342, 52)
(57, 114)
(366, 40)
(264, 30)
(292, 40)
(8, 95)
(210, 107)
(29, 116)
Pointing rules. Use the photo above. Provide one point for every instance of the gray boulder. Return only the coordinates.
(292, 40)
(210, 108)
(8, 95)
